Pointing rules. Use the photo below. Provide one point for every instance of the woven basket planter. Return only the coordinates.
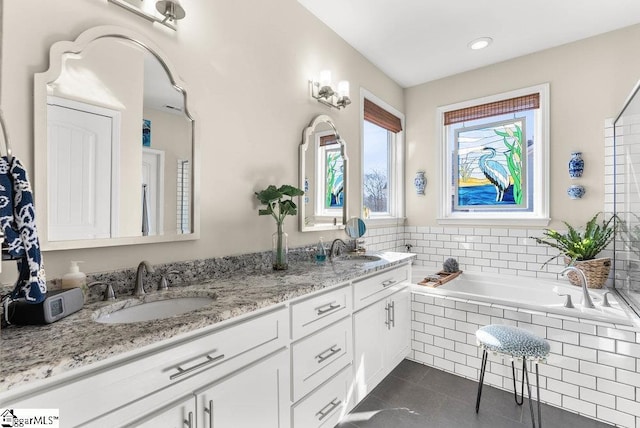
(596, 271)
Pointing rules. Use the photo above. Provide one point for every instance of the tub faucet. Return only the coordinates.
(586, 298)
(139, 287)
(605, 300)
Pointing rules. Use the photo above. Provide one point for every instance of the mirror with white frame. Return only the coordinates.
(114, 145)
(323, 177)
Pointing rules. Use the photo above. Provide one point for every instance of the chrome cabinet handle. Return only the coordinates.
(331, 352)
(189, 422)
(209, 410)
(392, 317)
(327, 308)
(388, 282)
(326, 410)
(387, 320)
(182, 372)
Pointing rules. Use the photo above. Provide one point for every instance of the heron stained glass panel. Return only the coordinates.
(491, 165)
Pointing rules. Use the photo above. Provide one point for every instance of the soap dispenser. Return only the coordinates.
(75, 279)
(321, 253)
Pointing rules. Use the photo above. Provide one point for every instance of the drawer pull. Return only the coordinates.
(326, 410)
(182, 372)
(388, 282)
(189, 422)
(387, 321)
(209, 410)
(327, 308)
(330, 353)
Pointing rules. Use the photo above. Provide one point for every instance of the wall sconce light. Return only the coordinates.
(171, 11)
(325, 94)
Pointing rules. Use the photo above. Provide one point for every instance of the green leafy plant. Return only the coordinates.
(579, 246)
(279, 204)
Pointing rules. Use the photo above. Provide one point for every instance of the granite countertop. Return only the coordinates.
(38, 352)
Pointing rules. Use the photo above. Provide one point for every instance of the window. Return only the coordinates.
(330, 175)
(495, 157)
(382, 159)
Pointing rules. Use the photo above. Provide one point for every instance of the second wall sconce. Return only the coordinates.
(322, 90)
(171, 10)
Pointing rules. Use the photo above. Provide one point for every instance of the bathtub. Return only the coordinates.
(516, 292)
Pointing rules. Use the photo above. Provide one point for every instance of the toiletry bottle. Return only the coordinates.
(321, 253)
(74, 278)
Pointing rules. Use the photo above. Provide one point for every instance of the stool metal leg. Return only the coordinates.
(515, 389)
(538, 397)
(526, 375)
(533, 419)
(483, 367)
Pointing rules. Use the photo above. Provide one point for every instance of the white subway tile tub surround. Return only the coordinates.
(483, 249)
(593, 368)
(384, 238)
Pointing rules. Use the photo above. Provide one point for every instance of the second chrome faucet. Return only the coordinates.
(138, 290)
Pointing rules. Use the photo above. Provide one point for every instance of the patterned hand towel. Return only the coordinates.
(17, 222)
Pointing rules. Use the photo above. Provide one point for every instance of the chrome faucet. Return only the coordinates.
(139, 287)
(586, 298)
(335, 242)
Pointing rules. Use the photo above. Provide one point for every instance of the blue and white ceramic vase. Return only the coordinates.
(576, 191)
(420, 182)
(576, 165)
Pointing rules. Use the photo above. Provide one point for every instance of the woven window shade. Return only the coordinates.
(512, 105)
(327, 140)
(375, 114)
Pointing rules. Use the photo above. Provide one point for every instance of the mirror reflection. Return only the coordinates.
(323, 176)
(118, 149)
(356, 228)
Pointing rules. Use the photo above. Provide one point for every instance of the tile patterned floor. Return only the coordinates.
(415, 395)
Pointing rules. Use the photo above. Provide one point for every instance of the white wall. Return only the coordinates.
(246, 64)
(589, 81)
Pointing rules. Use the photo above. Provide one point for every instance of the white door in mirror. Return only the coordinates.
(79, 173)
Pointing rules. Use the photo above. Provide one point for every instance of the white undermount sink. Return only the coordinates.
(154, 310)
(356, 258)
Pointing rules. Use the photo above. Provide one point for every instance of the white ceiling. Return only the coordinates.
(416, 41)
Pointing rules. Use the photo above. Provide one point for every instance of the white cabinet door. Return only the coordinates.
(368, 326)
(399, 335)
(257, 396)
(382, 338)
(180, 415)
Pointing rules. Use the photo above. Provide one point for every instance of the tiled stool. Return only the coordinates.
(514, 343)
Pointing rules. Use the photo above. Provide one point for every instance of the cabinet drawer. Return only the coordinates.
(319, 311)
(326, 405)
(177, 363)
(320, 356)
(379, 286)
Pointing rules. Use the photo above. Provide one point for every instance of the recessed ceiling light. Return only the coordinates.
(480, 43)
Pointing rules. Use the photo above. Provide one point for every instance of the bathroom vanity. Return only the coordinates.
(295, 349)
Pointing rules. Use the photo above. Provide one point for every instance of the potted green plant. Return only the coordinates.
(581, 249)
(279, 204)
